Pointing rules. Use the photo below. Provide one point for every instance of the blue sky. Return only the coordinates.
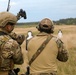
(38, 9)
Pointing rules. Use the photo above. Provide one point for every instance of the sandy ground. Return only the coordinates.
(68, 35)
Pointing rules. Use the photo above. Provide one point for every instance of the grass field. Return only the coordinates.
(69, 37)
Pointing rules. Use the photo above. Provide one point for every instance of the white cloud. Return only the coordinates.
(13, 3)
(37, 9)
(3, 0)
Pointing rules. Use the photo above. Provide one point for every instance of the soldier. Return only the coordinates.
(44, 49)
(10, 49)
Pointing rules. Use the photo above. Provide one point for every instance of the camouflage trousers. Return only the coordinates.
(53, 73)
(3, 72)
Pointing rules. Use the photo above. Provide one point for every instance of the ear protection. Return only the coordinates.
(38, 27)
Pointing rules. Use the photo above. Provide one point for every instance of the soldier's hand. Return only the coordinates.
(20, 39)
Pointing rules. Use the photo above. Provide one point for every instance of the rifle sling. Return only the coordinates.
(40, 49)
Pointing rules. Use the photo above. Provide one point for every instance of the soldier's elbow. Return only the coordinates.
(65, 60)
(19, 62)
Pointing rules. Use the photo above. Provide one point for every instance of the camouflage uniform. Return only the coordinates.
(10, 49)
(45, 63)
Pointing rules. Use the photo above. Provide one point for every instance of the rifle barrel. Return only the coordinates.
(8, 6)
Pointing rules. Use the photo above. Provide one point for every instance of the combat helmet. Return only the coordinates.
(45, 25)
(6, 17)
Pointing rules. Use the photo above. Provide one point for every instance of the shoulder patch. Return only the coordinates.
(3, 39)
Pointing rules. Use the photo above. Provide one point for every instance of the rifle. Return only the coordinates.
(8, 6)
(21, 14)
(14, 71)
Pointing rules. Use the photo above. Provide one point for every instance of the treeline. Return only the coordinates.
(28, 23)
(68, 21)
